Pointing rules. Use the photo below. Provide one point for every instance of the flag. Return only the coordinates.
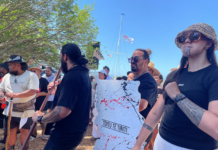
(109, 55)
(126, 38)
(98, 54)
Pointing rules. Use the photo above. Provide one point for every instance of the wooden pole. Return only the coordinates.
(9, 123)
(41, 109)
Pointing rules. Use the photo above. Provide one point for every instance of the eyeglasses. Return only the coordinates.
(135, 59)
(194, 36)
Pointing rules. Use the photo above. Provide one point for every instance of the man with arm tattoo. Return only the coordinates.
(72, 102)
(148, 86)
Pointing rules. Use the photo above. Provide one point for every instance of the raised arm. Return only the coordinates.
(150, 122)
(206, 120)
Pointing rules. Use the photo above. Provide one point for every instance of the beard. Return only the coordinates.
(64, 67)
(134, 68)
(14, 73)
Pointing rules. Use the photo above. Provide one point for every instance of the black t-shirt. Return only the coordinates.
(74, 92)
(43, 83)
(148, 90)
(201, 87)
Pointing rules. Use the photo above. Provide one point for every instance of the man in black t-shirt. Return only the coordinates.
(72, 101)
(148, 86)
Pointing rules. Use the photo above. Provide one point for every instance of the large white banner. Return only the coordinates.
(118, 119)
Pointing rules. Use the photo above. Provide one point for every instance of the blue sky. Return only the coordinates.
(153, 24)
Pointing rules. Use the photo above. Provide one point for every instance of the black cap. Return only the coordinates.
(5, 66)
(16, 59)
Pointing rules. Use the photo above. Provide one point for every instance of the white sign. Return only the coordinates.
(118, 119)
(98, 54)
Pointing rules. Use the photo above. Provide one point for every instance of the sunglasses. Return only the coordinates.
(135, 59)
(194, 36)
(33, 71)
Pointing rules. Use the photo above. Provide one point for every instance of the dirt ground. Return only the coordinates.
(38, 143)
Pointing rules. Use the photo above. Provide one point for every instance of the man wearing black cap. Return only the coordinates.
(21, 85)
(72, 102)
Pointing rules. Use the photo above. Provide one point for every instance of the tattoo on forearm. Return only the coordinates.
(147, 127)
(53, 116)
(186, 51)
(192, 111)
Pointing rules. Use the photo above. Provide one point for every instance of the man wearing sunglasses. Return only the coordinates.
(148, 86)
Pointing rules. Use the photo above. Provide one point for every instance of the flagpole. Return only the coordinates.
(118, 45)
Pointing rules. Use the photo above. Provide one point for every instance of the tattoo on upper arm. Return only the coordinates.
(192, 111)
(147, 127)
(53, 116)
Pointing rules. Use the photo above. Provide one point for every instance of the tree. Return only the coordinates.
(38, 28)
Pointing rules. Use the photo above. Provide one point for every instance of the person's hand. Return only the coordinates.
(51, 85)
(11, 95)
(36, 115)
(172, 89)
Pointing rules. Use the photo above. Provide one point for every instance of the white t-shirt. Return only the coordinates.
(28, 80)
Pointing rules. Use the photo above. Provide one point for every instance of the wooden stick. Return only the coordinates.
(9, 124)
(41, 109)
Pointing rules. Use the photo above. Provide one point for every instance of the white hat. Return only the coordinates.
(103, 71)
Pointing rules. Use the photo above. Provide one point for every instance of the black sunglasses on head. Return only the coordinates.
(135, 59)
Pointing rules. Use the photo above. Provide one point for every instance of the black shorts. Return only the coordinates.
(49, 104)
(61, 141)
(15, 122)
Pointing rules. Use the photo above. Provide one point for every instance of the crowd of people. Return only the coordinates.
(180, 114)
(28, 89)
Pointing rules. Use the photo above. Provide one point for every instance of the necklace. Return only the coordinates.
(15, 80)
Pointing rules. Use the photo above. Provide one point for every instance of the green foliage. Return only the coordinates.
(38, 28)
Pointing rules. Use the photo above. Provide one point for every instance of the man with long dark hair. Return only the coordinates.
(21, 85)
(72, 101)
